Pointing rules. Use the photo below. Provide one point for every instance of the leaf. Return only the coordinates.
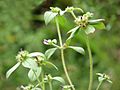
(99, 74)
(89, 29)
(39, 2)
(30, 63)
(48, 16)
(50, 52)
(96, 21)
(10, 71)
(33, 74)
(79, 9)
(72, 31)
(99, 25)
(36, 88)
(100, 79)
(35, 54)
(62, 12)
(60, 79)
(46, 62)
(78, 49)
(109, 81)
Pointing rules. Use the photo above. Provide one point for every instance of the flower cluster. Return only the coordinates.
(103, 77)
(22, 55)
(82, 21)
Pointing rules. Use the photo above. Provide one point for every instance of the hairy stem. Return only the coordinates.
(50, 85)
(91, 64)
(62, 55)
(99, 85)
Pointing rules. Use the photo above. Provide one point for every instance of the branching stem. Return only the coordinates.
(62, 55)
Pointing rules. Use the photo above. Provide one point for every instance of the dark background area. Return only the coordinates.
(22, 26)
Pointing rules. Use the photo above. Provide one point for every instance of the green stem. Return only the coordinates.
(99, 85)
(43, 84)
(62, 55)
(73, 15)
(91, 64)
(50, 85)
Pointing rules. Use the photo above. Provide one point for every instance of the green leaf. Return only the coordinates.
(49, 63)
(99, 25)
(60, 79)
(79, 9)
(38, 2)
(78, 49)
(100, 79)
(33, 74)
(50, 52)
(96, 21)
(89, 29)
(109, 81)
(30, 63)
(35, 54)
(72, 31)
(10, 71)
(48, 16)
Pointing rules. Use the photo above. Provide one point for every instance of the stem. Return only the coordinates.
(62, 55)
(43, 84)
(50, 85)
(91, 64)
(99, 85)
(73, 15)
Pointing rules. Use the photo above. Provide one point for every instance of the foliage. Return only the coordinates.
(17, 31)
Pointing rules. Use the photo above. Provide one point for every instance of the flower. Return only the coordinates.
(22, 55)
(50, 42)
(103, 77)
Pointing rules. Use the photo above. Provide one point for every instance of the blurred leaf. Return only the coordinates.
(60, 79)
(49, 63)
(38, 2)
(99, 25)
(96, 21)
(10, 71)
(35, 54)
(89, 29)
(30, 63)
(33, 74)
(72, 31)
(78, 49)
(100, 79)
(48, 16)
(50, 52)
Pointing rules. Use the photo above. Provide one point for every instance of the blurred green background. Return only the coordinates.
(22, 26)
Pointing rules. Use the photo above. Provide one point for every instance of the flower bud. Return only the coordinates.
(69, 9)
(50, 42)
(55, 9)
